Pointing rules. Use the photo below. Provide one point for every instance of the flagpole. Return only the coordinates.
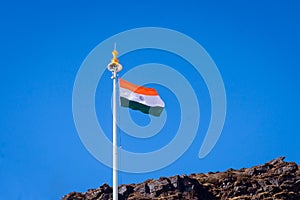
(115, 150)
(114, 66)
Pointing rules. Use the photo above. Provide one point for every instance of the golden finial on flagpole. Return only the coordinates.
(114, 64)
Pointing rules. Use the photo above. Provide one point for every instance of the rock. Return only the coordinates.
(160, 186)
(276, 161)
(142, 189)
(125, 191)
(74, 196)
(275, 179)
(297, 186)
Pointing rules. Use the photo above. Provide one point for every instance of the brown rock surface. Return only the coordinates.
(275, 179)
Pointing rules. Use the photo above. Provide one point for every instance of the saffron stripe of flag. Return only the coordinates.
(146, 100)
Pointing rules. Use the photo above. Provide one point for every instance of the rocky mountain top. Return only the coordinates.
(275, 179)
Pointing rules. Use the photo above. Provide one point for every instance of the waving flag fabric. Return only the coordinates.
(147, 100)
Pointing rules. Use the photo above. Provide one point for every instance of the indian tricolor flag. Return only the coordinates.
(140, 98)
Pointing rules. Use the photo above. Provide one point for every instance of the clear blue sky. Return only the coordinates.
(255, 44)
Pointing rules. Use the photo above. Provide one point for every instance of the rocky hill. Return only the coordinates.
(275, 179)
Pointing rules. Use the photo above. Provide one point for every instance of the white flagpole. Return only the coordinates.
(115, 150)
(114, 66)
